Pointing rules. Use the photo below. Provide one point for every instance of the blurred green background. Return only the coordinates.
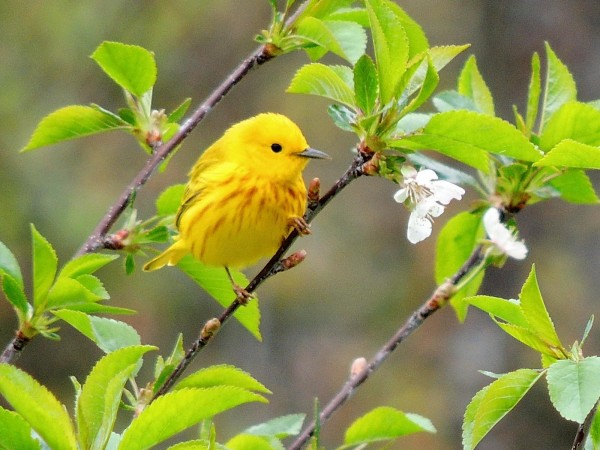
(361, 278)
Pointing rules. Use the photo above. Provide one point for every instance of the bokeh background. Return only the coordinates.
(361, 278)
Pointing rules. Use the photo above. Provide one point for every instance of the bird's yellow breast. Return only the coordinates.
(240, 217)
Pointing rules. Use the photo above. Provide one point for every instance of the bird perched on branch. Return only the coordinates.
(244, 196)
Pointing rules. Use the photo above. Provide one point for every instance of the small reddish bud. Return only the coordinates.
(371, 167)
(153, 138)
(116, 241)
(358, 365)
(210, 328)
(293, 260)
(314, 190)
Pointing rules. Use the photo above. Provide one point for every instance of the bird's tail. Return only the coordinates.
(169, 257)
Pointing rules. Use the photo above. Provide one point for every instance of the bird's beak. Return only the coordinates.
(314, 154)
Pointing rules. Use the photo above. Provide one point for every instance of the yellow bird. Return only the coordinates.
(244, 196)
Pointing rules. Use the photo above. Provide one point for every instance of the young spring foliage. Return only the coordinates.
(71, 290)
(573, 379)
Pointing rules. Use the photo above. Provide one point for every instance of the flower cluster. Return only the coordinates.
(426, 197)
(503, 241)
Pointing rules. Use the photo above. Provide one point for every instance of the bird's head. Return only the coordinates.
(271, 144)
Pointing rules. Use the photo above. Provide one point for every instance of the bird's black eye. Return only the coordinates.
(276, 148)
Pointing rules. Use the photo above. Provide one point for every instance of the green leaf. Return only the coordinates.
(506, 310)
(385, 423)
(45, 263)
(534, 93)
(574, 387)
(575, 186)
(325, 81)
(249, 442)
(467, 136)
(15, 432)
(351, 37)
(577, 121)
(569, 153)
(280, 427)
(222, 375)
(390, 44)
(472, 85)
(417, 41)
(493, 402)
(365, 84)
(342, 117)
(530, 338)
(86, 264)
(16, 296)
(560, 87)
(214, 280)
(180, 111)
(98, 402)
(67, 292)
(44, 413)
(535, 312)
(169, 200)
(452, 100)
(199, 444)
(178, 410)
(426, 89)
(130, 66)
(594, 433)
(108, 334)
(9, 265)
(456, 241)
(72, 122)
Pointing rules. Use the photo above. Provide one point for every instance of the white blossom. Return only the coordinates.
(426, 197)
(504, 240)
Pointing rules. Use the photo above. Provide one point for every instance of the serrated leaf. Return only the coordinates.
(575, 186)
(108, 334)
(15, 295)
(45, 263)
(528, 337)
(67, 292)
(72, 122)
(280, 427)
(534, 93)
(427, 87)
(577, 121)
(342, 117)
(101, 393)
(456, 241)
(97, 308)
(345, 39)
(505, 310)
(169, 200)
(86, 264)
(569, 153)
(44, 413)
(9, 265)
(214, 280)
(324, 81)
(559, 89)
(181, 409)
(365, 84)
(15, 432)
(222, 375)
(467, 136)
(535, 311)
(472, 85)
(385, 423)
(130, 66)
(574, 387)
(594, 433)
(390, 44)
(452, 100)
(199, 444)
(493, 402)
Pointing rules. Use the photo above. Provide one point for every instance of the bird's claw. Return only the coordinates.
(300, 225)
(242, 295)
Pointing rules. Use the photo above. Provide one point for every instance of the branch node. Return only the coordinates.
(357, 367)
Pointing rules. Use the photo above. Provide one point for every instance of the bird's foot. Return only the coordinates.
(242, 295)
(300, 225)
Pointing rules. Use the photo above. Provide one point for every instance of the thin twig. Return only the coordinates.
(583, 429)
(437, 300)
(14, 348)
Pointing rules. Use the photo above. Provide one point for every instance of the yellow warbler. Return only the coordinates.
(244, 195)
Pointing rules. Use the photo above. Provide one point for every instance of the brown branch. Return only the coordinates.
(14, 348)
(273, 266)
(437, 300)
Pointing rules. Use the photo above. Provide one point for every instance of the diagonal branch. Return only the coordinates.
(272, 267)
(438, 299)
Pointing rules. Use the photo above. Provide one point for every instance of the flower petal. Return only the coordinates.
(418, 229)
(401, 195)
